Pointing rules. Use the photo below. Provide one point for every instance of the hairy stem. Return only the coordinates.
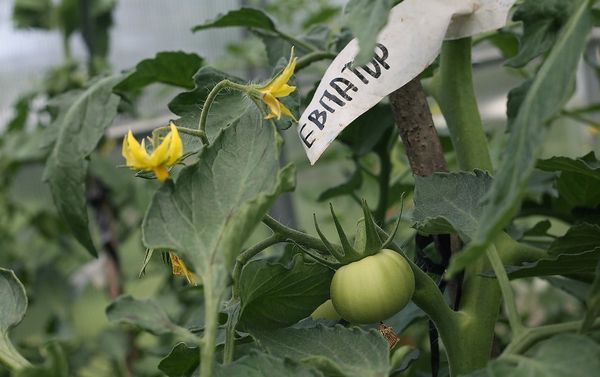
(209, 101)
(184, 130)
(294, 235)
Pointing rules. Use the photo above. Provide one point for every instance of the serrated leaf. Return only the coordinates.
(562, 355)
(544, 98)
(80, 129)
(366, 18)
(14, 305)
(182, 361)
(263, 365)
(450, 202)
(210, 211)
(172, 67)
(144, 314)
(244, 17)
(274, 295)
(542, 21)
(350, 352)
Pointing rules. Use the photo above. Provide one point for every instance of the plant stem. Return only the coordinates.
(507, 292)
(183, 130)
(248, 254)
(384, 185)
(209, 101)
(453, 90)
(480, 299)
(294, 235)
(213, 290)
(529, 337)
(312, 57)
(232, 320)
(296, 42)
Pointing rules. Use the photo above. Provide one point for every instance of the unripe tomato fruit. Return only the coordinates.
(373, 288)
(326, 311)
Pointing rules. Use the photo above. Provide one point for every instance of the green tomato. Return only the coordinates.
(373, 288)
(326, 311)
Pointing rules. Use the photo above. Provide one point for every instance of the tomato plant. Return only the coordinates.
(197, 243)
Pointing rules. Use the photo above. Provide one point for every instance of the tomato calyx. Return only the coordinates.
(366, 241)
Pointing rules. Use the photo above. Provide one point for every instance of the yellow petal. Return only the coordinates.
(285, 111)
(283, 77)
(274, 106)
(161, 172)
(134, 153)
(283, 91)
(176, 147)
(160, 155)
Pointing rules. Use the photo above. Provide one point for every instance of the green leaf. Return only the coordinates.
(574, 253)
(349, 352)
(346, 188)
(215, 204)
(13, 298)
(245, 17)
(450, 202)
(14, 305)
(361, 136)
(544, 98)
(182, 361)
(563, 264)
(274, 295)
(173, 68)
(562, 355)
(579, 238)
(542, 21)
(579, 179)
(263, 365)
(366, 18)
(80, 129)
(144, 314)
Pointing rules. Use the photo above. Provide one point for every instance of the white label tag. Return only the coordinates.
(407, 45)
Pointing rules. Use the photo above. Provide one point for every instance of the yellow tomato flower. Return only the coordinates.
(167, 153)
(277, 88)
(180, 269)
